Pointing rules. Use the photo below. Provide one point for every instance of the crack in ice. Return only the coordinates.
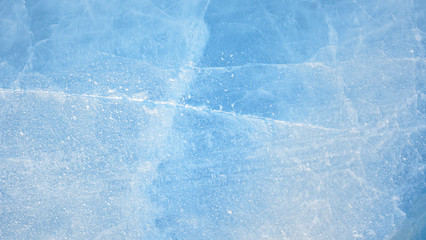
(165, 103)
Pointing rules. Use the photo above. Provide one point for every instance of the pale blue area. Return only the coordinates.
(212, 119)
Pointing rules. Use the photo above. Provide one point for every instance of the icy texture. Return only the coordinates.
(212, 119)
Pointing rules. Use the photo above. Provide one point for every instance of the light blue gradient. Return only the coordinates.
(212, 119)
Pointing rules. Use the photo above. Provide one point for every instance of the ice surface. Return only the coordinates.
(212, 119)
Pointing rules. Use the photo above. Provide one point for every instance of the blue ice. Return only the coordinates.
(212, 119)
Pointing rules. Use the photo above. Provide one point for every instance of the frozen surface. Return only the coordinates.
(212, 119)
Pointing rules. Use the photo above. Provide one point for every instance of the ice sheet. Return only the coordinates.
(214, 119)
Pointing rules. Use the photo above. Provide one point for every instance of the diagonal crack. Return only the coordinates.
(163, 103)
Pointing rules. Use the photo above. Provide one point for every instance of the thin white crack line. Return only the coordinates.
(166, 103)
(311, 64)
